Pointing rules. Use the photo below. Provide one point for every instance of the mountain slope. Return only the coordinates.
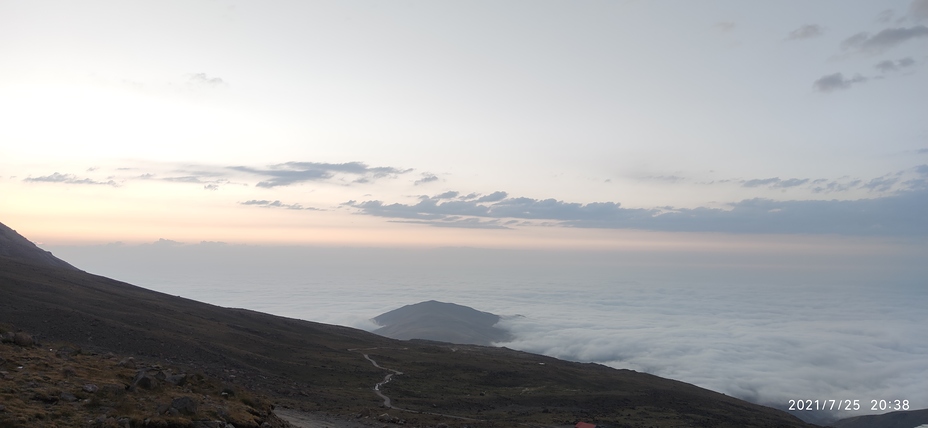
(443, 322)
(15, 246)
(319, 367)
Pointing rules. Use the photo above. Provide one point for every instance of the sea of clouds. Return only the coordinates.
(763, 335)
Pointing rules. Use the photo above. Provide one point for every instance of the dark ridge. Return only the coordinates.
(15, 246)
(442, 322)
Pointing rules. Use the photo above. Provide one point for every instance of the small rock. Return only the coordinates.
(185, 405)
(6, 337)
(91, 388)
(68, 397)
(127, 362)
(23, 339)
(178, 379)
(146, 379)
(66, 352)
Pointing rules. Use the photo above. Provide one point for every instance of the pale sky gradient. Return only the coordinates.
(517, 124)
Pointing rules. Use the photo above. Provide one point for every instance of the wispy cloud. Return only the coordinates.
(836, 81)
(493, 197)
(775, 182)
(884, 40)
(426, 178)
(68, 179)
(664, 178)
(458, 222)
(807, 31)
(204, 79)
(289, 173)
(890, 65)
(277, 204)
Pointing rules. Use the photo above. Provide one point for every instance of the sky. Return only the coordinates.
(542, 124)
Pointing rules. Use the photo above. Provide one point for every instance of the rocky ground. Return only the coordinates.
(58, 385)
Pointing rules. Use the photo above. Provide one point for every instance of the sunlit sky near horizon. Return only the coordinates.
(545, 124)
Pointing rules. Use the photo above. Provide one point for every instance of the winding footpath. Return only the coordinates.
(386, 379)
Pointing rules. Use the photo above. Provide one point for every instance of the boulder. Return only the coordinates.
(177, 379)
(147, 379)
(23, 339)
(66, 352)
(185, 405)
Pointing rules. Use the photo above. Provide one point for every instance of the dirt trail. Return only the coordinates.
(314, 420)
(386, 400)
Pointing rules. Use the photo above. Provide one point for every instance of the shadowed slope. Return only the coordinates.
(443, 322)
(17, 247)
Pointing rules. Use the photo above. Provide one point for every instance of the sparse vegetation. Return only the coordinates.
(58, 385)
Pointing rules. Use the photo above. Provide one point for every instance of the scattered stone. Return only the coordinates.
(45, 397)
(66, 352)
(23, 339)
(6, 337)
(185, 405)
(127, 362)
(147, 379)
(387, 418)
(68, 397)
(178, 379)
(91, 388)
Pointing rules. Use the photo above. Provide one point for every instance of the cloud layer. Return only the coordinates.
(896, 215)
(766, 335)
